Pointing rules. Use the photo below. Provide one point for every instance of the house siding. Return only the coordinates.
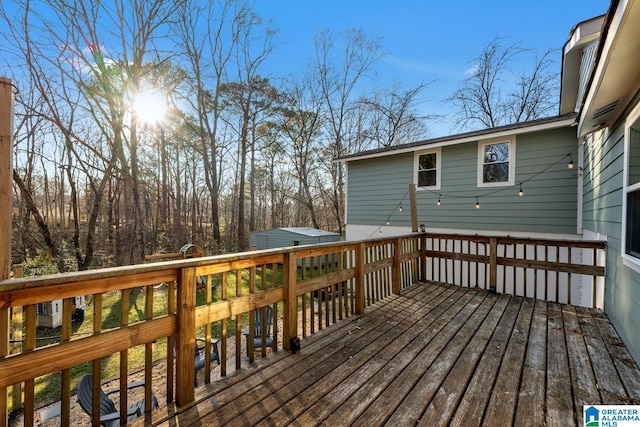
(602, 214)
(377, 186)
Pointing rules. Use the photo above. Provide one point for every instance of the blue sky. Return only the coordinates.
(425, 40)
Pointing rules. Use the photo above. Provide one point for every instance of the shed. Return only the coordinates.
(290, 236)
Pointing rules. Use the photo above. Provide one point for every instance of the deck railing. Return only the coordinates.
(167, 305)
(564, 271)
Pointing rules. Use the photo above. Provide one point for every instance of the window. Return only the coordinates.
(495, 163)
(632, 190)
(428, 169)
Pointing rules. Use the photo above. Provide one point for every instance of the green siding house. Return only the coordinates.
(608, 128)
(513, 179)
(576, 175)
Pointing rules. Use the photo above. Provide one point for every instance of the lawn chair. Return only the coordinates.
(109, 415)
(257, 329)
(200, 356)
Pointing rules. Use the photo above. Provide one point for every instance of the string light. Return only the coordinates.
(570, 165)
(388, 220)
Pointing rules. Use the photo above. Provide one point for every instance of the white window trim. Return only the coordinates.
(416, 156)
(512, 161)
(628, 260)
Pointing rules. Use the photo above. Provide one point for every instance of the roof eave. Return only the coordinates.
(565, 120)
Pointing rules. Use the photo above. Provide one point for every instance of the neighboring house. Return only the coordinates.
(597, 132)
(290, 236)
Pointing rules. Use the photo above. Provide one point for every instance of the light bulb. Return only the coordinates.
(477, 204)
(438, 203)
(520, 193)
(400, 208)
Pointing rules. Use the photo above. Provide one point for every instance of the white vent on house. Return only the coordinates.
(606, 109)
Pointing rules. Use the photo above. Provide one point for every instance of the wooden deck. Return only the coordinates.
(436, 355)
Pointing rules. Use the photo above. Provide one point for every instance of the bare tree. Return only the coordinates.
(495, 95)
(339, 66)
(301, 125)
(394, 117)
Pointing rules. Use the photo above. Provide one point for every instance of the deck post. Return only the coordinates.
(493, 263)
(290, 315)
(423, 257)
(396, 276)
(185, 336)
(414, 208)
(360, 278)
(6, 179)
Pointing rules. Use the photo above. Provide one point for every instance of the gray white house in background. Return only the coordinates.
(597, 132)
(290, 236)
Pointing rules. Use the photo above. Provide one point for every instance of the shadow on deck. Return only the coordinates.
(435, 355)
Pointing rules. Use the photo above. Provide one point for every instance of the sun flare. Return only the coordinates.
(150, 107)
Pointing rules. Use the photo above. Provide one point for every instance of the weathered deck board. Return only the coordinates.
(559, 404)
(532, 387)
(579, 361)
(436, 355)
(474, 402)
(626, 367)
(393, 395)
(504, 397)
(352, 396)
(449, 394)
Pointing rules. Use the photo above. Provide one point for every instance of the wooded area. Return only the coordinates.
(141, 126)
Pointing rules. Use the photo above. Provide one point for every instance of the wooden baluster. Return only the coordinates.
(171, 344)
(359, 264)
(29, 344)
(493, 263)
(396, 281)
(96, 363)
(16, 336)
(238, 325)
(148, 351)
(290, 314)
